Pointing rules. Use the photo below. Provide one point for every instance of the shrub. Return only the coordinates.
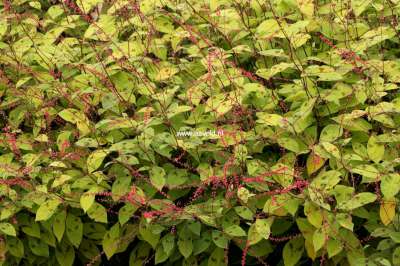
(259, 132)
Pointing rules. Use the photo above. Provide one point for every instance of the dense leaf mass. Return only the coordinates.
(193, 132)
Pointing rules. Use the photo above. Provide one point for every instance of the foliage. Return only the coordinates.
(304, 93)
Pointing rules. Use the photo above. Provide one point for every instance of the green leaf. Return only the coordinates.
(157, 177)
(166, 73)
(74, 229)
(89, 249)
(358, 200)
(109, 101)
(59, 224)
(219, 239)
(35, 5)
(217, 258)
(235, 230)
(323, 184)
(244, 212)
(375, 149)
(148, 236)
(338, 92)
(244, 194)
(344, 219)
(3, 27)
(342, 194)
(319, 239)
(331, 149)
(292, 144)
(22, 45)
(390, 185)
(87, 5)
(195, 227)
(47, 209)
(70, 115)
(263, 227)
(174, 110)
(298, 40)
(163, 24)
(98, 213)
(65, 256)
(219, 104)
(334, 247)
(292, 251)
(369, 172)
(396, 257)
(168, 243)
(324, 73)
(121, 187)
(8, 229)
(32, 230)
(306, 7)
(185, 243)
(160, 255)
(110, 124)
(87, 200)
(387, 211)
(269, 73)
(111, 240)
(331, 133)
(314, 214)
(359, 6)
(253, 236)
(126, 212)
(15, 247)
(201, 244)
(314, 163)
(103, 29)
(139, 254)
(274, 53)
(95, 159)
(38, 247)
(268, 28)
(270, 119)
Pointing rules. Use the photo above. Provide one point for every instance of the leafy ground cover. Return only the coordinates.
(193, 132)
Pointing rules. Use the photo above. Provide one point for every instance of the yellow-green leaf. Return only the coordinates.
(8, 229)
(157, 177)
(47, 209)
(95, 159)
(98, 213)
(293, 251)
(387, 210)
(314, 163)
(306, 7)
(375, 149)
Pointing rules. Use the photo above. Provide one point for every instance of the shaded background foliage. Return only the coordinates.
(93, 98)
